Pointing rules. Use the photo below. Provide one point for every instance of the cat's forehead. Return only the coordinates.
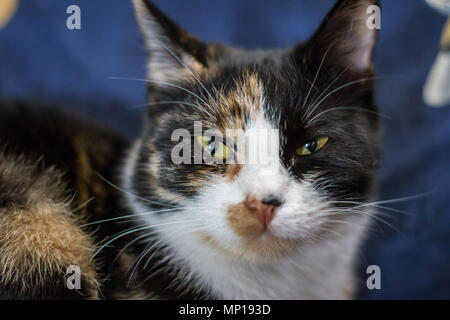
(239, 92)
(240, 103)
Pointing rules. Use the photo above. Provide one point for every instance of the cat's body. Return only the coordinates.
(233, 231)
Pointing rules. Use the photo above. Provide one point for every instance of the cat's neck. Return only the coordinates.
(320, 270)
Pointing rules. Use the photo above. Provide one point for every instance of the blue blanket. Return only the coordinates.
(41, 59)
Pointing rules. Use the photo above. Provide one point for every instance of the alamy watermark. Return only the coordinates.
(250, 146)
(374, 280)
(73, 277)
(73, 21)
(374, 19)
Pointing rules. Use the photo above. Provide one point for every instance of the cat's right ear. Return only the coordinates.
(174, 54)
(346, 38)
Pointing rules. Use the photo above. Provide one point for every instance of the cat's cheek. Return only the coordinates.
(301, 216)
(213, 202)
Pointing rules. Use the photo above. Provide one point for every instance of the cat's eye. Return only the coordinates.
(215, 148)
(312, 146)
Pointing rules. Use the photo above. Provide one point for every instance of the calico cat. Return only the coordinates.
(140, 225)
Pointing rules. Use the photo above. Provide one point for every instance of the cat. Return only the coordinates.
(140, 225)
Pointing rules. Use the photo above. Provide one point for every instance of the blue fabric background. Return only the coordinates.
(40, 59)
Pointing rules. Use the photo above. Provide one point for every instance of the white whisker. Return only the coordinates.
(315, 77)
(131, 194)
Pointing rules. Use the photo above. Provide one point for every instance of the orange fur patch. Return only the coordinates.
(244, 220)
(256, 249)
(43, 239)
(235, 105)
(233, 171)
(39, 235)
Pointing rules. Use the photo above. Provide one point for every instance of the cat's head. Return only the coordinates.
(313, 103)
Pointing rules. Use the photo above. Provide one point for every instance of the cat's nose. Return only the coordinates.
(265, 209)
(271, 201)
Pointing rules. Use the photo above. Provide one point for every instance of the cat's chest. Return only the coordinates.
(287, 279)
(315, 273)
(264, 282)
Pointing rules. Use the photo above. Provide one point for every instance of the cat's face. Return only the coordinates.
(310, 106)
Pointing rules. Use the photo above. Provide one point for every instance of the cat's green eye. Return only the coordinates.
(214, 147)
(312, 146)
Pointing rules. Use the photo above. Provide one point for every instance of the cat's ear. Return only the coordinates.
(348, 35)
(174, 54)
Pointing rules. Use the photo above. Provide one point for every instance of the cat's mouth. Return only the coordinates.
(265, 246)
(251, 221)
(269, 246)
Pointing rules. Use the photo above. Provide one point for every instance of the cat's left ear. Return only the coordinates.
(174, 54)
(347, 36)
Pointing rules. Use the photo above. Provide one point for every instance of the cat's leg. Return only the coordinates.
(40, 237)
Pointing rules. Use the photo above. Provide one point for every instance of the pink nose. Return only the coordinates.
(264, 209)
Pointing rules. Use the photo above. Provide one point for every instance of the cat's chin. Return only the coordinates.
(265, 247)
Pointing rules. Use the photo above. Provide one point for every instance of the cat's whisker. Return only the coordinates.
(146, 235)
(379, 203)
(312, 121)
(162, 241)
(308, 114)
(178, 208)
(344, 86)
(308, 111)
(402, 199)
(197, 106)
(151, 271)
(350, 223)
(84, 204)
(362, 212)
(315, 77)
(362, 204)
(374, 215)
(167, 102)
(312, 236)
(191, 71)
(126, 221)
(122, 234)
(133, 241)
(163, 83)
(327, 230)
(133, 195)
(170, 237)
(131, 216)
(133, 230)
